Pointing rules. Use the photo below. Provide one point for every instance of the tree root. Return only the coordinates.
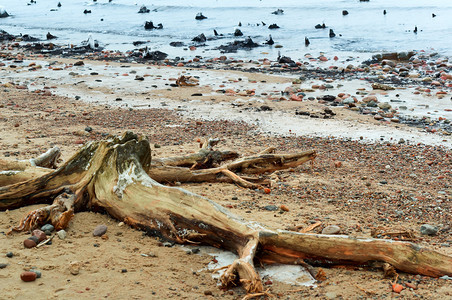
(243, 269)
(58, 214)
(112, 175)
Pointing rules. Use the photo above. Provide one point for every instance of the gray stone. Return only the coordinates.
(34, 239)
(384, 105)
(271, 207)
(428, 229)
(38, 273)
(62, 234)
(348, 100)
(331, 229)
(9, 254)
(100, 230)
(372, 104)
(47, 227)
(2, 266)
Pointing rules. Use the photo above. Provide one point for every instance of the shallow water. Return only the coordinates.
(366, 29)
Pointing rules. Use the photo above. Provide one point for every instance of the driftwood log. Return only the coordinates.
(112, 175)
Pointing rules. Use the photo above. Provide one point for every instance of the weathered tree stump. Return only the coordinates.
(112, 175)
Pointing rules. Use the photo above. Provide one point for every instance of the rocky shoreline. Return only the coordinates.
(423, 74)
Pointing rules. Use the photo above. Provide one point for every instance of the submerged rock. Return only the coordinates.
(3, 13)
(144, 10)
(238, 45)
(200, 38)
(200, 16)
(149, 25)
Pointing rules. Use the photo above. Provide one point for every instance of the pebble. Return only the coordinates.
(331, 229)
(428, 229)
(2, 266)
(271, 207)
(47, 227)
(34, 239)
(40, 235)
(370, 99)
(9, 254)
(62, 234)
(29, 243)
(74, 267)
(384, 105)
(28, 276)
(38, 273)
(284, 207)
(100, 230)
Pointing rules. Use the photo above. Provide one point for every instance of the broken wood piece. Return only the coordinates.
(321, 275)
(389, 271)
(256, 295)
(310, 227)
(187, 81)
(22, 170)
(240, 181)
(45, 241)
(47, 159)
(364, 290)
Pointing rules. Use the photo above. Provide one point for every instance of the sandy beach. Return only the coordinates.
(379, 169)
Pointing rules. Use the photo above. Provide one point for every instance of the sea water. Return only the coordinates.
(117, 24)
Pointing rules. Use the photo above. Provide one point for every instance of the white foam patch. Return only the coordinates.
(289, 274)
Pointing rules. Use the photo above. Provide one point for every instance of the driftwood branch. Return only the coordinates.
(113, 175)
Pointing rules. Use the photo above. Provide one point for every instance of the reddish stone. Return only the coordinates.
(28, 276)
(284, 207)
(39, 234)
(29, 243)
